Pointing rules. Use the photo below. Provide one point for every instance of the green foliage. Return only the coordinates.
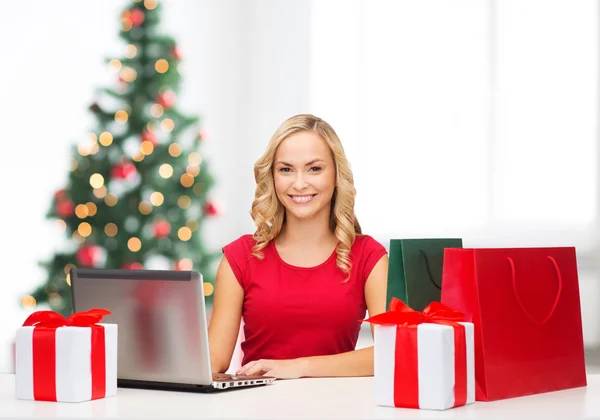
(140, 177)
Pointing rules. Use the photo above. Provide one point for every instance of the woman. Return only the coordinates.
(303, 281)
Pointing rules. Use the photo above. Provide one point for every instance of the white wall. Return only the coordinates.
(238, 57)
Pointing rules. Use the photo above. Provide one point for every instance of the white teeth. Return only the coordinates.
(301, 198)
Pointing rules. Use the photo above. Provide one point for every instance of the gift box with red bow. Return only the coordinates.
(62, 359)
(423, 359)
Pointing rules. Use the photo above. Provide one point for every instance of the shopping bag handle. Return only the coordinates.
(517, 297)
(429, 269)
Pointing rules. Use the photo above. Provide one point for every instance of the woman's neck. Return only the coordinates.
(306, 232)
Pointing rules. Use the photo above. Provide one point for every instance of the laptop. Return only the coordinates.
(162, 324)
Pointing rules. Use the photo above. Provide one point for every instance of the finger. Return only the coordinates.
(270, 373)
(247, 366)
(255, 370)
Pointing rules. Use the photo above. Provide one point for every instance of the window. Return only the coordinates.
(470, 118)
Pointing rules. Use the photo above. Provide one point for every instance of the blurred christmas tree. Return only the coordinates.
(137, 190)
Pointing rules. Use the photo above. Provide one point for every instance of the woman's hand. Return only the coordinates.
(280, 369)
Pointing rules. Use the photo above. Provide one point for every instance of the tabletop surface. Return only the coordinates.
(321, 398)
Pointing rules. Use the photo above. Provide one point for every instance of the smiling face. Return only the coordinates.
(304, 175)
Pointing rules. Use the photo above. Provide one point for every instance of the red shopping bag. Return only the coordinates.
(525, 306)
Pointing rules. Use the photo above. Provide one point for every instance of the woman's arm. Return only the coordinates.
(352, 363)
(225, 320)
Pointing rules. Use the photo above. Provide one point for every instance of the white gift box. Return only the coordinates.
(436, 365)
(73, 363)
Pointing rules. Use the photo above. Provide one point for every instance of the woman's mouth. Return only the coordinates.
(301, 199)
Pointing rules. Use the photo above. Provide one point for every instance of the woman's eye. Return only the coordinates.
(315, 169)
(284, 169)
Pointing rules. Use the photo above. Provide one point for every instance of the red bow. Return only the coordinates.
(45, 324)
(51, 319)
(403, 315)
(406, 374)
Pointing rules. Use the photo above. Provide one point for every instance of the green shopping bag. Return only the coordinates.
(415, 270)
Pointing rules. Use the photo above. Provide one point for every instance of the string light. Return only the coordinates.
(128, 74)
(146, 147)
(161, 65)
(208, 289)
(165, 170)
(115, 64)
(130, 51)
(61, 225)
(111, 199)
(100, 192)
(184, 202)
(187, 180)
(68, 279)
(145, 208)
(94, 148)
(185, 264)
(83, 150)
(68, 268)
(56, 300)
(198, 189)
(28, 302)
(84, 229)
(193, 170)
(111, 230)
(192, 224)
(195, 159)
(78, 238)
(106, 139)
(138, 157)
(184, 233)
(121, 116)
(92, 209)
(134, 244)
(175, 149)
(127, 24)
(167, 125)
(157, 199)
(74, 164)
(96, 180)
(150, 4)
(81, 211)
(157, 110)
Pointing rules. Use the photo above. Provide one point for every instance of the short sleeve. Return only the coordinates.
(372, 253)
(238, 253)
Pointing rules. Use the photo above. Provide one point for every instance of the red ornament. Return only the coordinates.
(123, 171)
(132, 266)
(183, 265)
(89, 255)
(60, 194)
(211, 209)
(166, 99)
(136, 17)
(176, 53)
(149, 136)
(162, 229)
(65, 208)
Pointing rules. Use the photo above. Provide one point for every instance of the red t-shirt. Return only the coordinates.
(292, 312)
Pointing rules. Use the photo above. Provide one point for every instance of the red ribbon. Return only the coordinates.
(44, 350)
(406, 374)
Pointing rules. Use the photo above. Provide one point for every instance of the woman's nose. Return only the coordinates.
(300, 183)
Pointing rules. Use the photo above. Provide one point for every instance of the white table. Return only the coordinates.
(328, 398)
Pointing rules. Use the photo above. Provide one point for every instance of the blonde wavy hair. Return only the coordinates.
(269, 214)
